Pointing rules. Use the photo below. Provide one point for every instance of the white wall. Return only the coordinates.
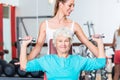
(28, 8)
(84, 11)
(104, 14)
(34, 8)
(109, 19)
(10, 2)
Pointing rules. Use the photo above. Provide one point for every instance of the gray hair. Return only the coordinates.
(64, 32)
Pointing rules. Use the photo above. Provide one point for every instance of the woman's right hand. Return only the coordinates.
(26, 40)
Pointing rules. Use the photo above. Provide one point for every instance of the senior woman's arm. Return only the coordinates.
(100, 45)
(23, 52)
(23, 57)
(99, 61)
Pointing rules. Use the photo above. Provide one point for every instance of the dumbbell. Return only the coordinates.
(13, 61)
(2, 63)
(1, 70)
(21, 73)
(104, 74)
(36, 74)
(7, 69)
(17, 68)
(113, 71)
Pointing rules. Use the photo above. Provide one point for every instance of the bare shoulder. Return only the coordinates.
(42, 25)
(77, 26)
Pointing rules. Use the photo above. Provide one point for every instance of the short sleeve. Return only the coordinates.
(35, 65)
(94, 63)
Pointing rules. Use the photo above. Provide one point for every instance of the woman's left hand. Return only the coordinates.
(98, 38)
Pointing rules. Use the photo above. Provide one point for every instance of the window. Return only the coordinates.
(6, 11)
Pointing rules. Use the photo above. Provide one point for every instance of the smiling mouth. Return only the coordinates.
(63, 48)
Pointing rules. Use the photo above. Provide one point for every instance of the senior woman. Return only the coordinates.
(62, 65)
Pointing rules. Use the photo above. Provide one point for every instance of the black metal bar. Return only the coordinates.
(89, 32)
(91, 24)
(18, 43)
(31, 17)
(24, 27)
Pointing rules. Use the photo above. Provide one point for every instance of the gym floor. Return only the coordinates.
(18, 78)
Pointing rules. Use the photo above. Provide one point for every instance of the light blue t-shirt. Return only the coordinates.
(59, 68)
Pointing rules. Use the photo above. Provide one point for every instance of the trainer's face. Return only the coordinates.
(67, 7)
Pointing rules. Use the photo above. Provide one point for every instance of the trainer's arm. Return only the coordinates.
(40, 41)
(82, 37)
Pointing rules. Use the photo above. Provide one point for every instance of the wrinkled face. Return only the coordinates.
(63, 44)
(67, 7)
